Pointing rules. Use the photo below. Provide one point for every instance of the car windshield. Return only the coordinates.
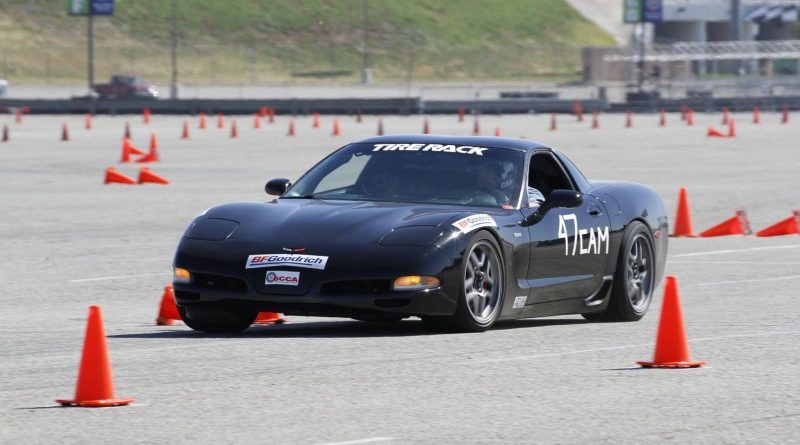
(420, 173)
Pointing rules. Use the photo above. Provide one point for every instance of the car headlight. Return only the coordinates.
(411, 236)
(211, 229)
(415, 282)
(180, 275)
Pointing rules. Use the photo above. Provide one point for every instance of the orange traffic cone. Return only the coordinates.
(380, 127)
(146, 176)
(359, 119)
(202, 121)
(662, 120)
(256, 121)
(461, 114)
(577, 110)
(689, 117)
(152, 155)
(476, 128)
(153, 143)
(95, 387)
(5, 133)
(756, 115)
(553, 122)
(115, 177)
(336, 130)
(18, 116)
(87, 124)
(262, 112)
(315, 121)
(185, 132)
(683, 217)
(628, 119)
(234, 130)
(785, 116)
(64, 133)
(714, 133)
(725, 115)
(129, 149)
(497, 132)
(291, 128)
(426, 128)
(731, 128)
(220, 121)
(271, 115)
(146, 115)
(736, 225)
(595, 120)
(672, 349)
(684, 112)
(127, 131)
(167, 310)
(788, 226)
(269, 318)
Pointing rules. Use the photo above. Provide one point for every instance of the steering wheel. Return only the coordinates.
(466, 196)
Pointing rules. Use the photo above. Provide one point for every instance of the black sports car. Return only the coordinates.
(459, 231)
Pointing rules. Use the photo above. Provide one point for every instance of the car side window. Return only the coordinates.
(546, 174)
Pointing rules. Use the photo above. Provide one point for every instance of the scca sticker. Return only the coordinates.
(282, 278)
(282, 259)
(463, 149)
(472, 222)
(597, 236)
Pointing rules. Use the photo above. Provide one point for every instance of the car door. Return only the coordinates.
(570, 246)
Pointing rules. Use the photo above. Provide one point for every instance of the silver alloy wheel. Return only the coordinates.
(639, 274)
(483, 282)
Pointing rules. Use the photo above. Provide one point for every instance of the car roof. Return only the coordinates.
(479, 141)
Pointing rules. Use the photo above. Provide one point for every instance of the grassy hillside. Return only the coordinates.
(257, 41)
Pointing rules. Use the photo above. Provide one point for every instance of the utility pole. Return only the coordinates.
(90, 46)
(173, 86)
(366, 74)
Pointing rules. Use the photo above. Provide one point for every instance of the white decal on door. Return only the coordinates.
(598, 236)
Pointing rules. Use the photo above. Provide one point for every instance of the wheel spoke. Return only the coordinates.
(468, 283)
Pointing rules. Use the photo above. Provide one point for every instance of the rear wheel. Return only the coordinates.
(634, 280)
(482, 289)
(217, 321)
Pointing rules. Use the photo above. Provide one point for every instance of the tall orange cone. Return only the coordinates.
(756, 115)
(497, 132)
(271, 115)
(476, 127)
(291, 128)
(337, 131)
(725, 115)
(146, 115)
(662, 120)
(595, 120)
(5, 137)
(64, 133)
(426, 128)
(256, 121)
(129, 149)
(115, 177)
(714, 133)
(234, 129)
(788, 226)
(18, 116)
(735, 225)
(201, 124)
(553, 122)
(785, 115)
(147, 176)
(689, 117)
(380, 127)
(185, 132)
(152, 155)
(95, 386)
(127, 130)
(577, 109)
(87, 124)
(628, 119)
(672, 349)
(731, 128)
(167, 310)
(315, 121)
(461, 114)
(269, 318)
(220, 121)
(262, 112)
(683, 217)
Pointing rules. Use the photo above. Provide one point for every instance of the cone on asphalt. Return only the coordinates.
(291, 128)
(426, 128)
(672, 349)
(714, 133)
(152, 155)
(185, 132)
(359, 118)
(64, 133)
(5, 133)
(146, 115)
(167, 310)
(788, 226)
(147, 176)
(256, 121)
(595, 120)
(95, 388)
(262, 112)
(683, 217)
(756, 115)
(725, 115)
(127, 130)
(476, 127)
(689, 117)
(380, 127)
(234, 129)
(337, 131)
(553, 122)
(497, 132)
(684, 111)
(220, 121)
(269, 318)
(271, 115)
(18, 116)
(315, 121)
(785, 115)
(201, 124)
(115, 177)
(735, 225)
(577, 110)
(731, 128)
(662, 120)
(628, 120)
(129, 149)
(461, 112)
(87, 122)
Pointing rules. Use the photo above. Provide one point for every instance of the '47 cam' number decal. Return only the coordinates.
(597, 236)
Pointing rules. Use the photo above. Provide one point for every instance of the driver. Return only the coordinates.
(497, 179)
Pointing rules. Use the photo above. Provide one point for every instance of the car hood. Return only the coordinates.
(303, 222)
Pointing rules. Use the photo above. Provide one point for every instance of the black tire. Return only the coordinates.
(629, 301)
(487, 300)
(217, 321)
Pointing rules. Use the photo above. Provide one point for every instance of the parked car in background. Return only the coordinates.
(125, 86)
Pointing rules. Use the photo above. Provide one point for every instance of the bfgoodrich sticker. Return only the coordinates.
(282, 259)
(473, 222)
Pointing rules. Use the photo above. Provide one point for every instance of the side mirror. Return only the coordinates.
(559, 198)
(277, 186)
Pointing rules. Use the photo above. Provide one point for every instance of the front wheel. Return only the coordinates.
(482, 288)
(217, 321)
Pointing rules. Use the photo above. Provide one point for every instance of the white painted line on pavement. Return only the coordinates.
(615, 348)
(754, 280)
(118, 277)
(367, 440)
(751, 249)
(734, 262)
